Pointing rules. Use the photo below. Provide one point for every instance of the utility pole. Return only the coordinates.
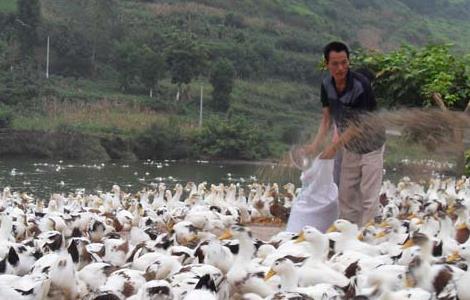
(200, 106)
(47, 59)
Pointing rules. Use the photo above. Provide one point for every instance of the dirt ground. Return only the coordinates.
(265, 232)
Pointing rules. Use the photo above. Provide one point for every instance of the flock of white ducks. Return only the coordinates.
(189, 243)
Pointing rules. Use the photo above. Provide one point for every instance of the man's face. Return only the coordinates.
(338, 65)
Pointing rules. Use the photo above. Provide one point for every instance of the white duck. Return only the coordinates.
(347, 239)
(244, 276)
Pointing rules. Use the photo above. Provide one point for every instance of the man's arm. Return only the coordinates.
(322, 132)
(344, 138)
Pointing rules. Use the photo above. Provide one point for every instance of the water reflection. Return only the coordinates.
(44, 177)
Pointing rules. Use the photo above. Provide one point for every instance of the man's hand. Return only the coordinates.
(310, 149)
(329, 152)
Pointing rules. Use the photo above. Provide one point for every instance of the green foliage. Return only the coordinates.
(236, 138)
(19, 86)
(186, 58)
(7, 23)
(127, 61)
(103, 26)
(71, 52)
(3, 53)
(292, 134)
(6, 116)
(273, 46)
(449, 9)
(152, 67)
(7, 6)
(162, 141)
(222, 79)
(234, 20)
(300, 44)
(409, 76)
(138, 64)
(29, 15)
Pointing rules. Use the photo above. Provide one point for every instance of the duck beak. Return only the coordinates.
(270, 274)
(380, 235)
(332, 229)
(300, 238)
(410, 282)
(360, 236)
(455, 256)
(169, 225)
(409, 243)
(450, 210)
(191, 238)
(384, 224)
(226, 235)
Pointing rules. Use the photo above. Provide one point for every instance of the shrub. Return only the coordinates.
(162, 141)
(19, 85)
(6, 116)
(222, 79)
(233, 20)
(236, 138)
(410, 76)
(292, 134)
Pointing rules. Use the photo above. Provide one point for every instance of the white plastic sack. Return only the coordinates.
(317, 203)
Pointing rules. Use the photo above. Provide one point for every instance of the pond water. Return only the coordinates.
(44, 177)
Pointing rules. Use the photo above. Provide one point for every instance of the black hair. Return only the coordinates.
(336, 47)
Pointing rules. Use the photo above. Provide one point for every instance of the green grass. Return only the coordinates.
(99, 106)
(95, 121)
(454, 31)
(7, 6)
(397, 149)
(301, 9)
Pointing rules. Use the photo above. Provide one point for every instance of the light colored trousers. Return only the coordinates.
(360, 183)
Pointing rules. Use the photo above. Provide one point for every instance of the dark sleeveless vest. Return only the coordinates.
(353, 106)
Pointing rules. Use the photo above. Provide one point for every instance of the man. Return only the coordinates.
(347, 100)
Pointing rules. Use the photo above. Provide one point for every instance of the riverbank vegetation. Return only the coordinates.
(133, 70)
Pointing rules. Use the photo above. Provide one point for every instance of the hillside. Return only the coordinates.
(274, 46)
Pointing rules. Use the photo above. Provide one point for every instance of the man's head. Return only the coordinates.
(337, 60)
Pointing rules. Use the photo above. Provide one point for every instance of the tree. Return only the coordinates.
(235, 138)
(97, 21)
(127, 58)
(152, 68)
(186, 59)
(410, 76)
(421, 77)
(104, 19)
(222, 79)
(233, 20)
(71, 51)
(29, 16)
(19, 85)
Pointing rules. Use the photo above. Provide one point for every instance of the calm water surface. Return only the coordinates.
(44, 177)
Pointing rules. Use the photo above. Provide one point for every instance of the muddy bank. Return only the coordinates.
(78, 146)
(63, 145)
